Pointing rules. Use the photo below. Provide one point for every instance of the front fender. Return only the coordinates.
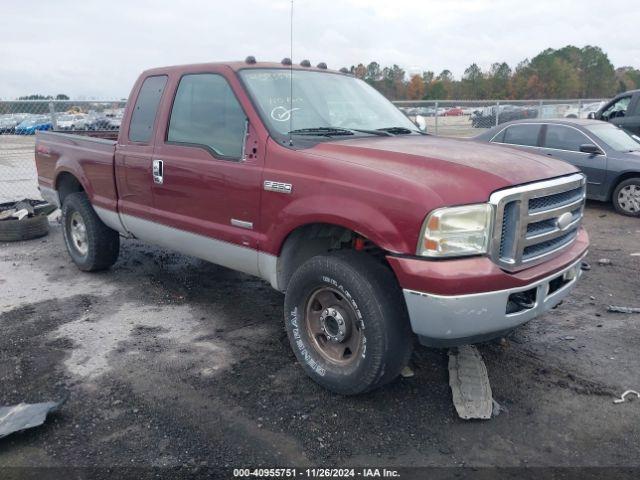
(349, 213)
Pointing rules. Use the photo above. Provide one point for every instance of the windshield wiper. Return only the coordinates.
(399, 131)
(336, 131)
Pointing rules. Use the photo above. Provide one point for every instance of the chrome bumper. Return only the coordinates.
(453, 320)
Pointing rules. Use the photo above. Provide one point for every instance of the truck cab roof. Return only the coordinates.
(236, 66)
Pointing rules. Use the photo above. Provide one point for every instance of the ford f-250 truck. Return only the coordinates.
(311, 180)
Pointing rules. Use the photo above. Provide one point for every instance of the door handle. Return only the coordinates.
(158, 172)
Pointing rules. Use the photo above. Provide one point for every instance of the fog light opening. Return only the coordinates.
(521, 301)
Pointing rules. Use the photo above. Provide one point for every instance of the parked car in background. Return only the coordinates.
(70, 121)
(454, 112)
(8, 124)
(486, 117)
(623, 111)
(103, 123)
(33, 124)
(608, 155)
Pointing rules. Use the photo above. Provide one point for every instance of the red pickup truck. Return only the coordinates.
(311, 180)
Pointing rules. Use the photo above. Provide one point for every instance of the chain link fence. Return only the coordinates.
(467, 118)
(19, 120)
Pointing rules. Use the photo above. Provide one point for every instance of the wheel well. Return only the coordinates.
(66, 183)
(316, 239)
(622, 178)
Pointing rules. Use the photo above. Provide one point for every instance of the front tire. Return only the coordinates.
(91, 244)
(347, 322)
(626, 197)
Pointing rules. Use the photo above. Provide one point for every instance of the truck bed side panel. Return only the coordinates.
(89, 160)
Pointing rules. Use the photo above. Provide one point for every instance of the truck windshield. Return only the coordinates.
(324, 104)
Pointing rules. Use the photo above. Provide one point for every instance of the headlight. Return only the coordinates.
(456, 231)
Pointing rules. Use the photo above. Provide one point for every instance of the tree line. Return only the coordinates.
(569, 72)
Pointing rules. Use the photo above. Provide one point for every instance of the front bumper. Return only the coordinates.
(447, 320)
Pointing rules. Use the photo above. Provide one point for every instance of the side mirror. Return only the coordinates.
(421, 123)
(591, 115)
(591, 149)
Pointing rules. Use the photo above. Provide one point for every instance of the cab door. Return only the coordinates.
(133, 158)
(210, 171)
(621, 112)
(633, 117)
(563, 142)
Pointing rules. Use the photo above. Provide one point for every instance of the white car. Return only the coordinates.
(70, 122)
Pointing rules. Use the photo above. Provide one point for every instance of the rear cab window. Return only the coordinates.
(525, 134)
(144, 111)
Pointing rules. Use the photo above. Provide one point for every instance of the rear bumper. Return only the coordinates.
(447, 320)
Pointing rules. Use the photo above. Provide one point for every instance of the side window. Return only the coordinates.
(564, 138)
(144, 111)
(636, 113)
(499, 138)
(206, 113)
(618, 108)
(525, 134)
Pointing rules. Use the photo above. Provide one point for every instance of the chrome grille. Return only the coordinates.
(526, 230)
(555, 200)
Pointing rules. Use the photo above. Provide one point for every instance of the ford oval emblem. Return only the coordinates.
(564, 220)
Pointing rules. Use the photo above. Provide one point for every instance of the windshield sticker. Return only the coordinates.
(281, 114)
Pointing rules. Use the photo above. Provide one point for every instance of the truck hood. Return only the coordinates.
(455, 169)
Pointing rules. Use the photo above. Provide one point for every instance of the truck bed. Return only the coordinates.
(91, 153)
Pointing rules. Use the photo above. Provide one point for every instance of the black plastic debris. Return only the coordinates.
(25, 415)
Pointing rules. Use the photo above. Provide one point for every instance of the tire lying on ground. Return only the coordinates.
(14, 230)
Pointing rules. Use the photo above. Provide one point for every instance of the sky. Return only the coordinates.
(95, 49)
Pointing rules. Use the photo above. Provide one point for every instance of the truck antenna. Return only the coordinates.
(291, 75)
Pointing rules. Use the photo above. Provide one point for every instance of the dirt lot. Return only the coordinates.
(170, 361)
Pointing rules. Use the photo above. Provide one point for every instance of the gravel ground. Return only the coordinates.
(170, 361)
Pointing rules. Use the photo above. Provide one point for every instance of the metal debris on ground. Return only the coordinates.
(407, 372)
(618, 309)
(20, 214)
(604, 261)
(25, 415)
(25, 208)
(4, 214)
(635, 254)
(469, 383)
(623, 398)
(24, 205)
(497, 409)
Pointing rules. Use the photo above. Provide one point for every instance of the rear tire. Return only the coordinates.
(626, 197)
(364, 338)
(91, 244)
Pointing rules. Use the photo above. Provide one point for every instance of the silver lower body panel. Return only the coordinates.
(459, 319)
